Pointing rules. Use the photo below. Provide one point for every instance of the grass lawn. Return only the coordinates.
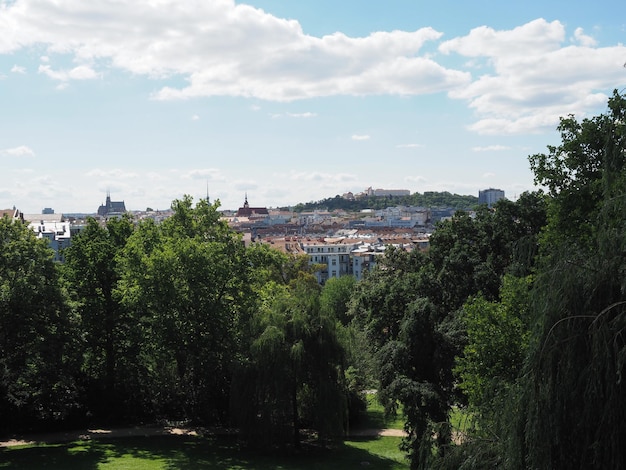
(188, 452)
(192, 452)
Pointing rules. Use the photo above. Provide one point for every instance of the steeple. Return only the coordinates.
(245, 203)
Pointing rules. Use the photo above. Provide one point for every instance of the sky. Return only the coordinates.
(290, 101)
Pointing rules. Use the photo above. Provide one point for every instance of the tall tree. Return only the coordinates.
(36, 333)
(186, 283)
(293, 374)
(91, 270)
(574, 406)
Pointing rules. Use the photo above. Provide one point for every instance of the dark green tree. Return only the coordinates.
(293, 375)
(37, 350)
(186, 281)
(91, 273)
(573, 407)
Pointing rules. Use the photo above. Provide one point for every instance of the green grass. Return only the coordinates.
(188, 452)
(374, 417)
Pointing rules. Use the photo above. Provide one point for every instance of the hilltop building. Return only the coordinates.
(111, 208)
(490, 196)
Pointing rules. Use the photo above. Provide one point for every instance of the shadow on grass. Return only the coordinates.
(187, 453)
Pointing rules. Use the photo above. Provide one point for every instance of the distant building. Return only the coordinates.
(387, 192)
(47, 210)
(490, 196)
(13, 214)
(247, 211)
(56, 232)
(111, 208)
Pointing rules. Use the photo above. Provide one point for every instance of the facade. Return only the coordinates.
(387, 192)
(335, 255)
(111, 208)
(58, 234)
(490, 196)
(13, 214)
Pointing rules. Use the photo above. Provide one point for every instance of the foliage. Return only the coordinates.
(293, 374)
(37, 375)
(185, 283)
(428, 199)
(91, 272)
(573, 402)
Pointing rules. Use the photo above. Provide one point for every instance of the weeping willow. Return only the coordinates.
(573, 406)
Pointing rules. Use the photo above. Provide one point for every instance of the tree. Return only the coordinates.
(186, 281)
(91, 271)
(573, 403)
(293, 374)
(37, 358)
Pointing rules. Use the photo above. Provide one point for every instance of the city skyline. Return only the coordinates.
(290, 102)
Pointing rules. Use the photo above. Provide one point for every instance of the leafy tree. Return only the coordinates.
(186, 283)
(91, 271)
(573, 403)
(36, 330)
(293, 374)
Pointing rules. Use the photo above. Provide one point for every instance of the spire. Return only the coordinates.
(245, 203)
(208, 201)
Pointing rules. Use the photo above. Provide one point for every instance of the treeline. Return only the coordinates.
(429, 199)
(513, 319)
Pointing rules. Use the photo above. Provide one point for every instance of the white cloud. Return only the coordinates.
(302, 115)
(409, 146)
(195, 117)
(225, 48)
(212, 174)
(583, 39)
(526, 77)
(491, 148)
(81, 72)
(21, 151)
(533, 79)
(115, 174)
(18, 69)
(489, 175)
(360, 137)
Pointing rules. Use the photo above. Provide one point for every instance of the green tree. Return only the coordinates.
(91, 272)
(573, 407)
(37, 355)
(293, 374)
(186, 283)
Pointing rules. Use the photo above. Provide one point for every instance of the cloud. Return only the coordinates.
(489, 175)
(531, 79)
(81, 72)
(224, 48)
(114, 174)
(360, 137)
(302, 115)
(491, 148)
(516, 81)
(583, 39)
(409, 146)
(195, 117)
(293, 115)
(18, 69)
(212, 174)
(21, 151)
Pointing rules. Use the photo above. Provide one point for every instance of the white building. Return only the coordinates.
(56, 232)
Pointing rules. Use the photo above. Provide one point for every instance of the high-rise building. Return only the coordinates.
(490, 196)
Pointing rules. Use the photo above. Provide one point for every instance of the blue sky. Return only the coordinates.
(290, 101)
